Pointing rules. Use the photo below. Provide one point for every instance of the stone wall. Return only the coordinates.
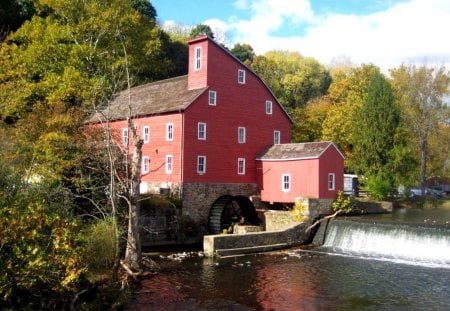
(197, 198)
(316, 207)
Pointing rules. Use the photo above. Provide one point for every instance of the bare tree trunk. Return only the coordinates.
(133, 253)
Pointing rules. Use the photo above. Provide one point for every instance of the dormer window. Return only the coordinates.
(241, 76)
(198, 58)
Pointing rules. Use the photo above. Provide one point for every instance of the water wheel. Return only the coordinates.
(228, 210)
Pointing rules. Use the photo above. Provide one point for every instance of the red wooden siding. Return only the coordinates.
(238, 105)
(158, 148)
(331, 161)
(309, 177)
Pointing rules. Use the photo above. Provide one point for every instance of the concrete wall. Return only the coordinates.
(234, 244)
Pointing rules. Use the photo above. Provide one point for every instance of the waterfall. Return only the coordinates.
(416, 243)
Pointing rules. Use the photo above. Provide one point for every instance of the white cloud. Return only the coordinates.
(413, 31)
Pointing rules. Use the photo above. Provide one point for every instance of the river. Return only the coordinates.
(300, 279)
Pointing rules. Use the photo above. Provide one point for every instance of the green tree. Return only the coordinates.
(54, 69)
(201, 30)
(308, 121)
(346, 95)
(244, 52)
(374, 135)
(422, 93)
(294, 79)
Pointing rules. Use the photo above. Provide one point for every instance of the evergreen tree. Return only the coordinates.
(374, 133)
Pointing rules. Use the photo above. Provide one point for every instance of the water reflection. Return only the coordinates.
(293, 280)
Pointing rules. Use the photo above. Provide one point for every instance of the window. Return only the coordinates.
(241, 166)
(286, 183)
(169, 164)
(241, 76)
(125, 136)
(201, 131)
(146, 134)
(198, 58)
(145, 165)
(276, 137)
(241, 135)
(268, 107)
(331, 183)
(201, 164)
(212, 98)
(169, 131)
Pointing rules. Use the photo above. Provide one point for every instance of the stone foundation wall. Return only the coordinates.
(197, 198)
(315, 207)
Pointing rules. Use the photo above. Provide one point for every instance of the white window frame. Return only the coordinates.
(241, 135)
(146, 134)
(145, 165)
(241, 76)
(286, 182)
(169, 164)
(241, 166)
(201, 133)
(276, 137)
(212, 99)
(198, 58)
(201, 164)
(331, 181)
(269, 105)
(169, 131)
(125, 136)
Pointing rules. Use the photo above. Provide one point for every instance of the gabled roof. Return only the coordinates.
(165, 96)
(300, 151)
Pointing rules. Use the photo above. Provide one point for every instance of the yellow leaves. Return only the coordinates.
(38, 249)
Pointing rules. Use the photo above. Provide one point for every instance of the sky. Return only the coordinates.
(386, 33)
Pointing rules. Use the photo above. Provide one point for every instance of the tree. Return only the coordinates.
(244, 52)
(294, 79)
(308, 121)
(62, 63)
(201, 30)
(374, 136)
(422, 92)
(346, 95)
(13, 13)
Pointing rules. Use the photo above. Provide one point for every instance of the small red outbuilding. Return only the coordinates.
(308, 170)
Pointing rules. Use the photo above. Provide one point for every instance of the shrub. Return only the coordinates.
(101, 243)
(39, 258)
(378, 187)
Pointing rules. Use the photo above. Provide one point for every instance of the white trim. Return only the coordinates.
(269, 104)
(201, 172)
(125, 137)
(169, 131)
(333, 181)
(276, 141)
(146, 136)
(283, 182)
(241, 160)
(169, 164)
(212, 95)
(145, 165)
(199, 125)
(242, 138)
(198, 58)
(241, 73)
